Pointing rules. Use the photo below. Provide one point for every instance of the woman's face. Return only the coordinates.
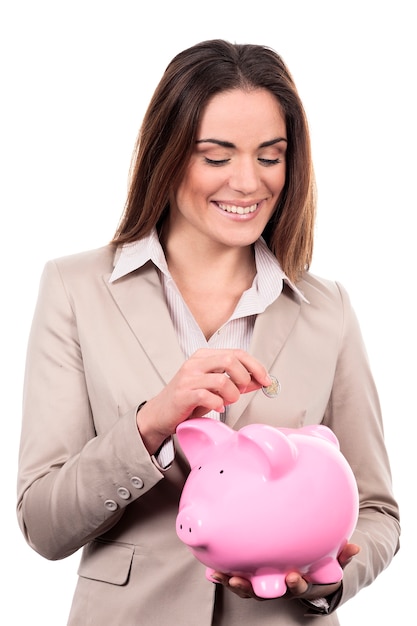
(236, 172)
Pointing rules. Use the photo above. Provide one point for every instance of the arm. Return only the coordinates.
(354, 415)
(67, 473)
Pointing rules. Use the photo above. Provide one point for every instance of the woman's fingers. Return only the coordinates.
(209, 380)
(347, 554)
(246, 372)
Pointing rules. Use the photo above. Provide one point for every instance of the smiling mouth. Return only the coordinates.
(240, 210)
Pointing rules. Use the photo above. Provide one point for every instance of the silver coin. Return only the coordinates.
(274, 389)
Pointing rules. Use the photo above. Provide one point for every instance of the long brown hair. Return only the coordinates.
(168, 133)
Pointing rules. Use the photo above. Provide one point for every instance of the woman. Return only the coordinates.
(207, 275)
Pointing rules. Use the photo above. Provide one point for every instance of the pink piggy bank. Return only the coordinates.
(263, 501)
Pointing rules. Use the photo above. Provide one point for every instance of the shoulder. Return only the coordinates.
(88, 265)
(320, 291)
(79, 272)
(98, 260)
(329, 305)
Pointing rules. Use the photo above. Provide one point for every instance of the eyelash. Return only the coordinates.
(265, 162)
(268, 162)
(214, 162)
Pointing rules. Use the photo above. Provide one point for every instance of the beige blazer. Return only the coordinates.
(96, 351)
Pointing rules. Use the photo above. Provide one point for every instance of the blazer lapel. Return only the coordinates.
(272, 327)
(141, 301)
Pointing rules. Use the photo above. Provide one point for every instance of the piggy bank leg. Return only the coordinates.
(269, 585)
(326, 573)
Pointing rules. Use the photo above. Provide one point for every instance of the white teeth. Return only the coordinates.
(232, 208)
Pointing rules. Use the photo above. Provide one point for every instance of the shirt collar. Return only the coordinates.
(132, 256)
(269, 271)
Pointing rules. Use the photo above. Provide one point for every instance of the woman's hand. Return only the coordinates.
(208, 380)
(297, 586)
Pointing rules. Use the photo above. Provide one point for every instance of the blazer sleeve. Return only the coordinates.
(73, 484)
(354, 415)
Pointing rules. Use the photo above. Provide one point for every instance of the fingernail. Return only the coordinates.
(216, 579)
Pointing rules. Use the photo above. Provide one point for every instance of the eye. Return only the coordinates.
(216, 162)
(221, 472)
(269, 162)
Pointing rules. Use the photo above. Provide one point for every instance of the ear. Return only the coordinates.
(199, 434)
(277, 450)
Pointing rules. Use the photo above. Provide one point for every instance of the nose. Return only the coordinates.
(244, 176)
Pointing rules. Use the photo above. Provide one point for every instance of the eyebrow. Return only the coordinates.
(229, 144)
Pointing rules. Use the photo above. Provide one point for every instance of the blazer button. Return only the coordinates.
(123, 493)
(111, 505)
(137, 482)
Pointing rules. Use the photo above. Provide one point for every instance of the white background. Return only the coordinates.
(75, 80)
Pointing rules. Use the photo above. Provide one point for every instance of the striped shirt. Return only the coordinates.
(235, 333)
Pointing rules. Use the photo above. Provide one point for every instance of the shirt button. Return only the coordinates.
(123, 493)
(111, 505)
(136, 482)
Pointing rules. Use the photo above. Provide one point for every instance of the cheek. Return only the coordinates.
(192, 184)
(278, 181)
(199, 186)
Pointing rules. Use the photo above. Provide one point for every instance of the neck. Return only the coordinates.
(209, 262)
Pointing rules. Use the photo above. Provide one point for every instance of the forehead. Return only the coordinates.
(239, 112)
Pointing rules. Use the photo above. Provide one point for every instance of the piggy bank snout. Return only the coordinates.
(189, 528)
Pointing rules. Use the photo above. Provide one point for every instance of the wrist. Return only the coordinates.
(152, 438)
(321, 591)
(326, 602)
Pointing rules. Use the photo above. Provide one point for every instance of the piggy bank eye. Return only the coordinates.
(221, 471)
(199, 467)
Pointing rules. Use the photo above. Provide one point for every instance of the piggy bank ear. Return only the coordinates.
(321, 431)
(199, 434)
(277, 451)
